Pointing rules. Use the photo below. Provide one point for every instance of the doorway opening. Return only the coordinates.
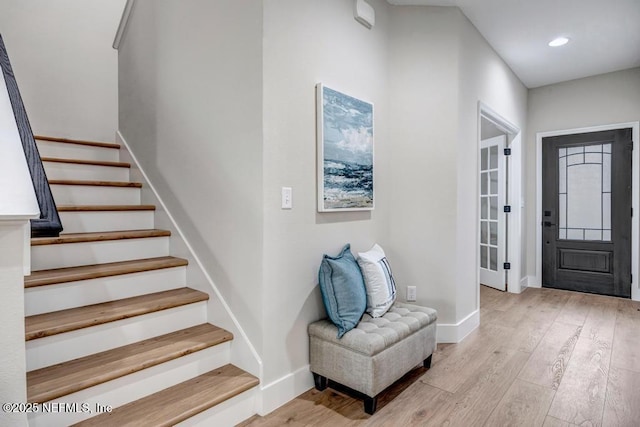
(499, 202)
(493, 189)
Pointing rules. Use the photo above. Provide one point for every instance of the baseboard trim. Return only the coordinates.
(283, 390)
(454, 333)
(532, 282)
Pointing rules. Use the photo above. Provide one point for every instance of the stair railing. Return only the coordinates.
(49, 224)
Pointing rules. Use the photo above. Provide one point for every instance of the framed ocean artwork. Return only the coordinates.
(345, 152)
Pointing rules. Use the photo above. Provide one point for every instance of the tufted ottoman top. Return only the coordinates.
(371, 336)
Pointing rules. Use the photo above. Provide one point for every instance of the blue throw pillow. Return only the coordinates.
(343, 291)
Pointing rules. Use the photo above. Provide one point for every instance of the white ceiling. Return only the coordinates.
(605, 35)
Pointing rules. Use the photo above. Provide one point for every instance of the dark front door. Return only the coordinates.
(586, 218)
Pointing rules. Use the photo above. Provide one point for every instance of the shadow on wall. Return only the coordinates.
(336, 217)
(232, 293)
(311, 310)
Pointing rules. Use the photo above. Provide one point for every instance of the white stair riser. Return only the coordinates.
(44, 299)
(45, 257)
(60, 348)
(75, 171)
(94, 221)
(62, 150)
(94, 195)
(231, 412)
(126, 389)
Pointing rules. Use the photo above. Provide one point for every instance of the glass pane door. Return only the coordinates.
(492, 189)
(489, 208)
(584, 192)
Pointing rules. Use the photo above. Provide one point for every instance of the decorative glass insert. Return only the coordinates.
(584, 192)
(489, 208)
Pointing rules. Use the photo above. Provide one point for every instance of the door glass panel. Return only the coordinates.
(563, 212)
(493, 236)
(494, 182)
(491, 185)
(483, 183)
(592, 234)
(606, 171)
(493, 157)
(493, 259)
(484, 208)
(584, 188)
(606, 213)
(493, 203)
(483, 256)
(562, 177)
(483, 232)
(484, 159)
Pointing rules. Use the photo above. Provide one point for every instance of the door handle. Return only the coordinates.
(548, 224)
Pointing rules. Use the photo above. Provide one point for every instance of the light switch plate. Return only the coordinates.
(287, 198)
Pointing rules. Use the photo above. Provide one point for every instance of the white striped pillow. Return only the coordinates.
(378, 280)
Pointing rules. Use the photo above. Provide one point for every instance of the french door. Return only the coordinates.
(586, 202)
(492, 216)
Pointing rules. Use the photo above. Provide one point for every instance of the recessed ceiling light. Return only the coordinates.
(560, 41)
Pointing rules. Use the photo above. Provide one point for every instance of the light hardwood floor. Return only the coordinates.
(542, 358)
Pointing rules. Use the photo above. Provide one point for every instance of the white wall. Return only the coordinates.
(440, 68)
(65, 66)
(306, 43)
(191, 109)
(600, 100)
(483, 77)
(217, 100)
(423, 93)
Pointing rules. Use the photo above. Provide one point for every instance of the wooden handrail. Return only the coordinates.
(49, 222)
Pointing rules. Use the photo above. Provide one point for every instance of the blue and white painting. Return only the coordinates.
(345, 152)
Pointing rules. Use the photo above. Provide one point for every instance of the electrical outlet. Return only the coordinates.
(411, 293)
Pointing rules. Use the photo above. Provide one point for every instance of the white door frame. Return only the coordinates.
(635, 197)
(514, 193)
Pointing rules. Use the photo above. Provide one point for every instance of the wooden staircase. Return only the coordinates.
(114, 336)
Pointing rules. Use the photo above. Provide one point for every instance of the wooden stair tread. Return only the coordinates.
(87, 272)
(95, 183)
(86, 162)
(57, 322)
(77, 141)
(180, 402)
(98, 236)
(62, 379)
(92, 208)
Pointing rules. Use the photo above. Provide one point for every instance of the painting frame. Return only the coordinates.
(345, 151)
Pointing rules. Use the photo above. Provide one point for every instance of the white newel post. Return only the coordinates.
(18, 204)
(13, 386)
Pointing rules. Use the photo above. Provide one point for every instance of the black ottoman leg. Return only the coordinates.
(427, 362)
(321, 382)
(370, 404)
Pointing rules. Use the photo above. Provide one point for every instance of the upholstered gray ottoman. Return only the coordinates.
(374, 354)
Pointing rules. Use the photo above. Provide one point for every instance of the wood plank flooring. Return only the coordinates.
(545, 357)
